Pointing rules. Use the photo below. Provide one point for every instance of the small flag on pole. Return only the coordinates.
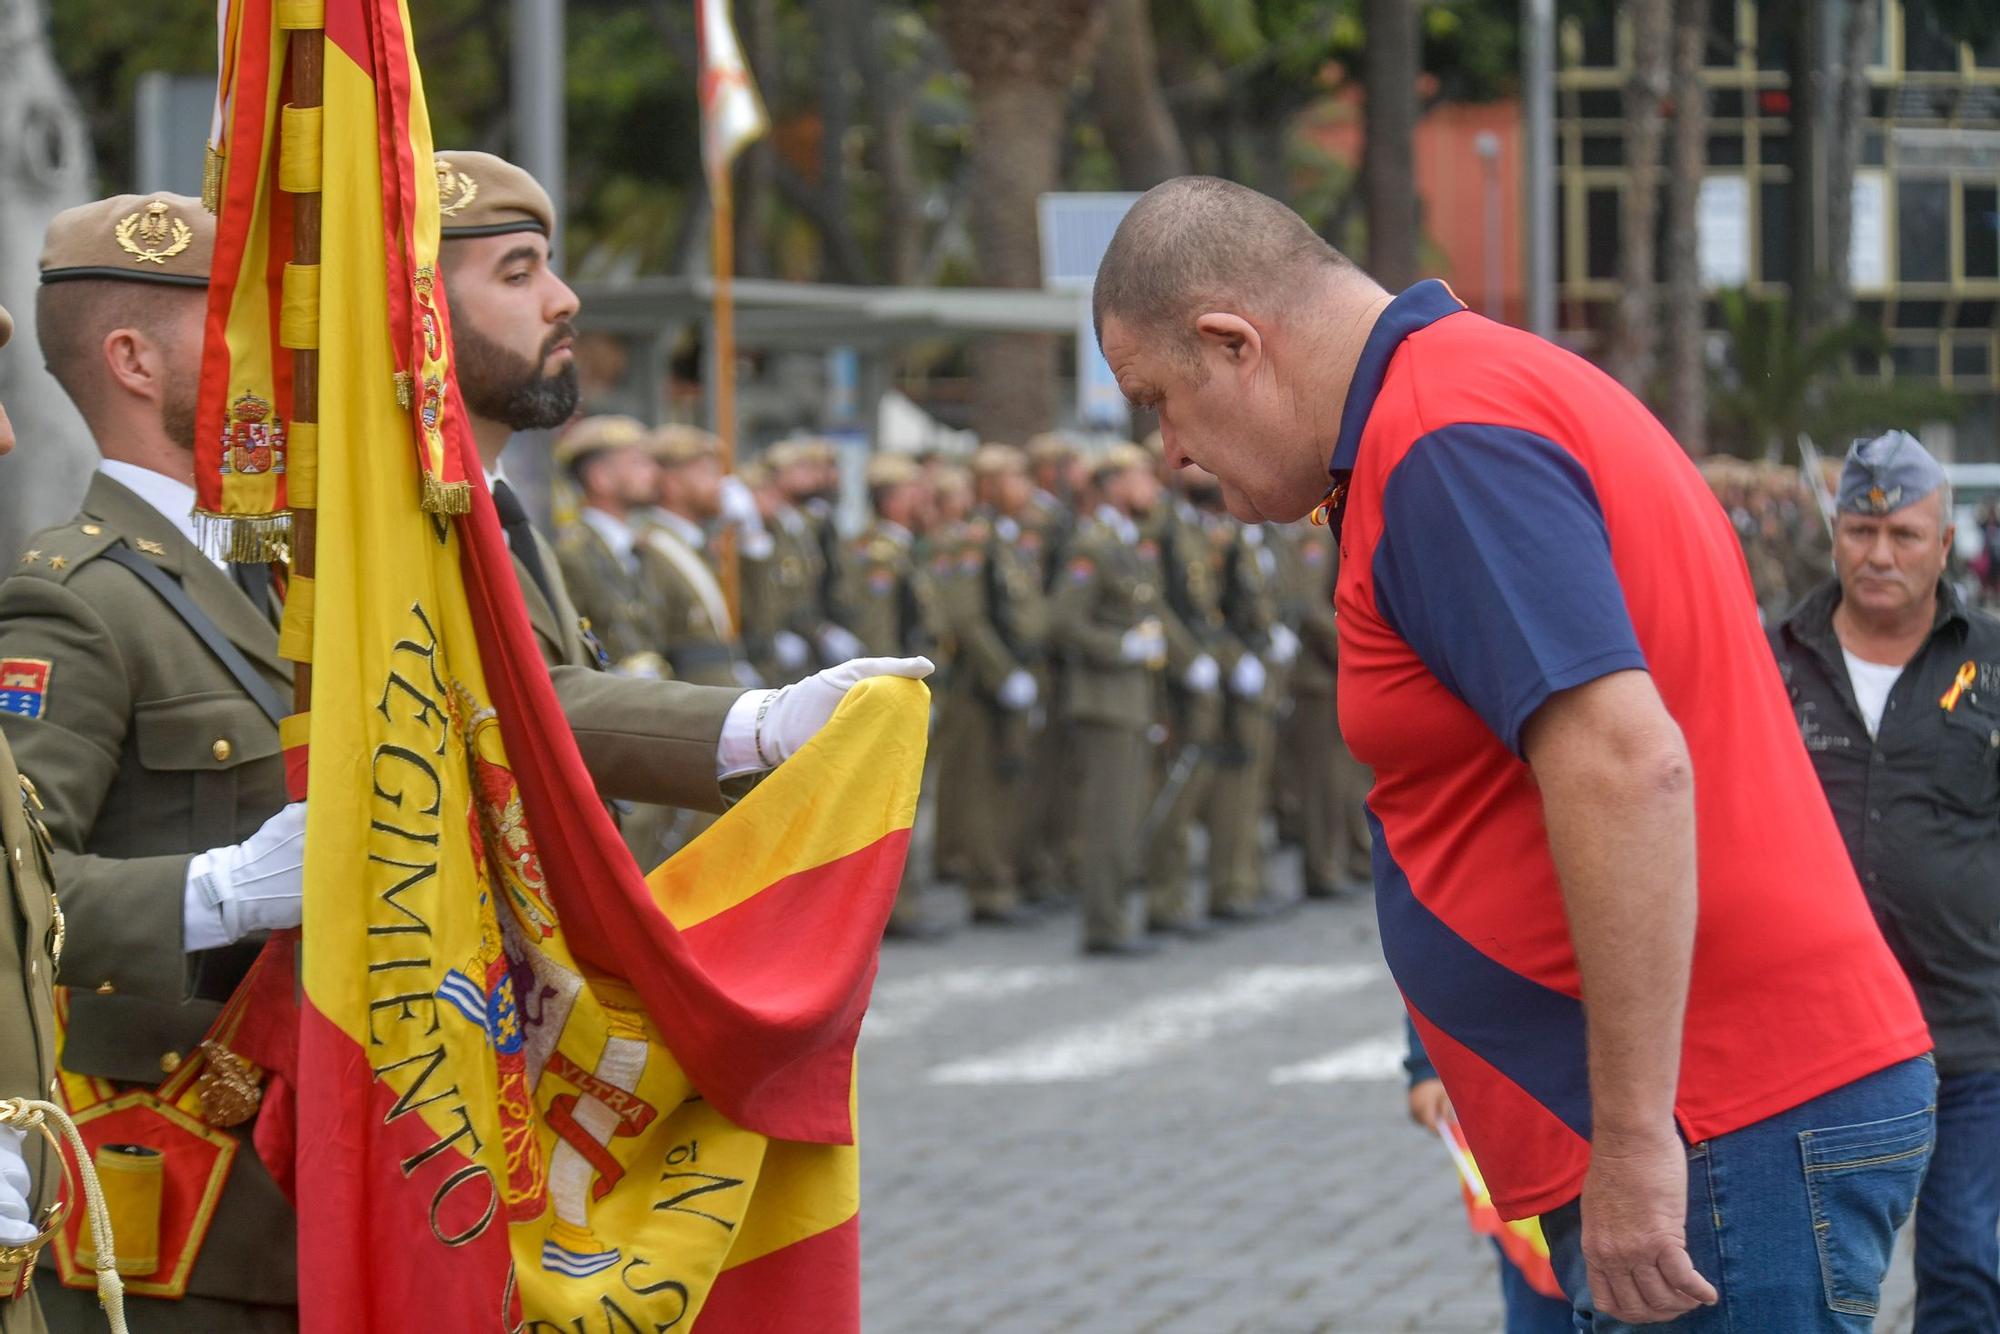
(1521, 1241)
(732, 115)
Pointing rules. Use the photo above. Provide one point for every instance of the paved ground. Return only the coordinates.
(1210, 1140)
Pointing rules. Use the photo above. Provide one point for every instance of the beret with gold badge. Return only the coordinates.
(157, 238)
(483, 195)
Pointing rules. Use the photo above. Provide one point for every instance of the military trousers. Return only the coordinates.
(1049, 808)
(1184, 774)
(1331, 784)
(1234, 810)
(995, 766)
(1110, 776)
(75, 1311)
(959, 785)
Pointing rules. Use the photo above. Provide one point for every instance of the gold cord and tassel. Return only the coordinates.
(32, 1114)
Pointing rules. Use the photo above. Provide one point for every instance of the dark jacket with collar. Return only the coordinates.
(1918, 804)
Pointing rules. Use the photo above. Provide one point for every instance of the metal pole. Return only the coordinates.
(538, 98)
(1538, 84)
(1487, 145)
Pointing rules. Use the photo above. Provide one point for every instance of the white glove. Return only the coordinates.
(17, 1220)
(739, 506)
(1018, 692)
(1202, 675)
(1143, 644)
(790, 650)
(767, 727)
(1284, 644)
(838, 642)
(1246, 679)
(255, 885)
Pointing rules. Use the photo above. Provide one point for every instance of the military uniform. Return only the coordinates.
(1107, 587)
(612, 588)
(700, 640)
(28, 961)
(146, 751)
(1184, 768)
(1002, 635)
(889, 603)
(1331, 784)
(1235, 802)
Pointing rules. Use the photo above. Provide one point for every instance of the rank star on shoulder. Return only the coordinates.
(30, 557)
(58, 562)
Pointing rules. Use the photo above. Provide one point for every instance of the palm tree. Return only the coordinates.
(1388, 163)
(1020, 58)
(1784, 386)
(1637, 322)
(1687, 388)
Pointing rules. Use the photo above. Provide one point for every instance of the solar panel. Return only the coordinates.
(1076, 231)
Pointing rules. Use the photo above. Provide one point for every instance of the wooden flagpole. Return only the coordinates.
(307, 53)
(722, 247)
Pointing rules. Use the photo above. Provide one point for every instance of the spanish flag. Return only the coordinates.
(526, 1086)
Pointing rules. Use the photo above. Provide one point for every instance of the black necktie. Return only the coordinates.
(521, 537)
(255, 581)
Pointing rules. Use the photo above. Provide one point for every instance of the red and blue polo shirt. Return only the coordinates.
(1516, 524)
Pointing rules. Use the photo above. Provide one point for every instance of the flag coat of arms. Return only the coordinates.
(524, 1087)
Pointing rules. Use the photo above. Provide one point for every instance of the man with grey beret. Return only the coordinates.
(1896, 687)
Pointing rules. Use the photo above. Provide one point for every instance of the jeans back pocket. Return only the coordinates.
(1862, 1181)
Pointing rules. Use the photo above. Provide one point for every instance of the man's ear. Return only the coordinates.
(1234, 338)
(132, 362)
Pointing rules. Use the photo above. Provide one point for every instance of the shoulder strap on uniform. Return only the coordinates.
(254, 685)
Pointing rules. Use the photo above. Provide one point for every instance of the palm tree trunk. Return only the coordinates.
(1389, 70)
(1637, 319)
(1138, 128)
(1844, 155)
(1687, 384)
(1020, 58)
(1016, 133)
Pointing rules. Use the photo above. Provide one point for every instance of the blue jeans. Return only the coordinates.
(1958, 1214)
(1791, 1218)
(1528, 1311)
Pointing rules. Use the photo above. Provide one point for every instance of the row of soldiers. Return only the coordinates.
(1120, 661)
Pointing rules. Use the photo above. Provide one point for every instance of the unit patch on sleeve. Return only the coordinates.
(24, 685)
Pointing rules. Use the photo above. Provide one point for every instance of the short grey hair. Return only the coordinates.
(1196, 242)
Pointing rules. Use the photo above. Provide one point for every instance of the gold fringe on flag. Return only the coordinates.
(446, 497)
(253, 539)
(211, 179)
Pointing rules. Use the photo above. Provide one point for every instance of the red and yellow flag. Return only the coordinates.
(532, 1088)
(1520, 1240)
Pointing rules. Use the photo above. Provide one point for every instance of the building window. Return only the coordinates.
(1721, 33)
(1976, 314)
(1915, 359)
(1600, 38)
(1926, 46)
(1600, 233)
(1923, 231)
(1979, 221)
(1971, 359)
(1919, 314)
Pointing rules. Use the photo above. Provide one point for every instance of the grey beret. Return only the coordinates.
(1886, 474)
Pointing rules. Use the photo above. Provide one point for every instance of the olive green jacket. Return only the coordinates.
(27, 1017)
(1105, 588)
(621, 603)
(888, 599)
(699, 649)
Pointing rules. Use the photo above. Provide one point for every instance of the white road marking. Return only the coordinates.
(1368, 1059)
(1156, 1027)
(908, 1003)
